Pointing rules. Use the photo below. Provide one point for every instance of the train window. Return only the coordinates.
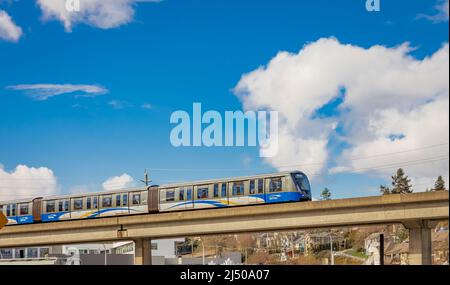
(13, 209)
(66, 205)
(23, 209)
(260, 186)
(88, 203)
(238, 188)
(181, 196)
(78, 204)
(125, 200)
(136, 199)
(202, 193)
(276, 185)
(216, 190)
(50, 207)
(170, 196)
(95, 203)
(60, 206)
(8, 210)
(118, 200)
(106, 201)
(302, 181)
(224, 189)
(189, 193)
(252, 186)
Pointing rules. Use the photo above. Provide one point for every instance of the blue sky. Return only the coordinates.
(172, 54)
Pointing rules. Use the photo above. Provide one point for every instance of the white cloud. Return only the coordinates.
(119, 182)
(42, 92)
(442, 13)
(392, 102)
(146, 106)
(97, 13)
(118, 105)
(9, 31)
(27, 182)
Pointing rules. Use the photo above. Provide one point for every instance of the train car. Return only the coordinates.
(237, 191)
(93, 205)
(18, 211)
(228, 192)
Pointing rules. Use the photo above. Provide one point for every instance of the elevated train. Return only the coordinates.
(258, 189)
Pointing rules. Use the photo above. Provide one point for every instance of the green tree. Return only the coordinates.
(385, 190)
(439, 185)
(326, 194)
(401, 183)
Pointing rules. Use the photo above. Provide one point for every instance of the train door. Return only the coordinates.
(253, 195)
(180, 198)
(106, 205)
(78, 206)
(224, 194)
(203, 197)
(10, 211)
(138, 202)
(91, 206)
(120, 203)
(189, 197)
(237, 193)
(274, 189)
(64, 210)
(261, 193)
(24, 215)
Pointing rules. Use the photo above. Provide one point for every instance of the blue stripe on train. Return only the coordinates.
(28, 219)
(57, 216)
(52, 217)
(277, 197)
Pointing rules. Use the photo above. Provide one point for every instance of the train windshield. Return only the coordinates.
(302, 181)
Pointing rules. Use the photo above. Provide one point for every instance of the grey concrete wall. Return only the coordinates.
(111, 259)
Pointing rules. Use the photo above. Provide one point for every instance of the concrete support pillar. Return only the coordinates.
(420, 242)
(142, 251)
(419, 246)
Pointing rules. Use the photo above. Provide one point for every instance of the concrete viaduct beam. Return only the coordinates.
(416, 211)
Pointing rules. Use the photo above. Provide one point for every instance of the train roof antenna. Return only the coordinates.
(146, 181)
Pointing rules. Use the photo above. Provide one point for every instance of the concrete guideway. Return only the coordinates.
(416, 211)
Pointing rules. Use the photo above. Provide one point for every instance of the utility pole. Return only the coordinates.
(146, 181)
